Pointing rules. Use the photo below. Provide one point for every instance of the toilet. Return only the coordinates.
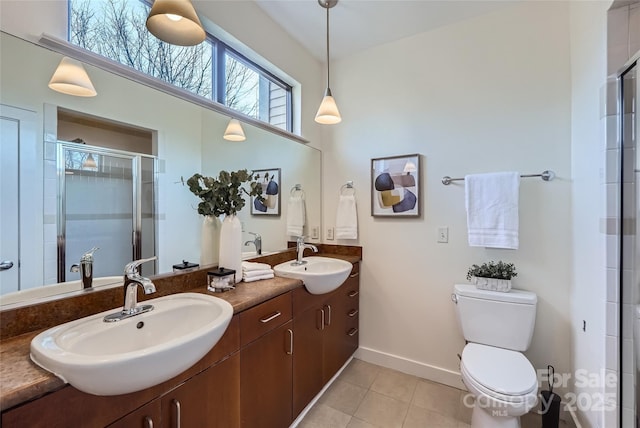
(497, 326)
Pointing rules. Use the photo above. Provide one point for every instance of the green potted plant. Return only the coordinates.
(492, 276)
(223, 195)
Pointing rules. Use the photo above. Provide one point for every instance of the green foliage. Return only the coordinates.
(500, 270)
(223, 195)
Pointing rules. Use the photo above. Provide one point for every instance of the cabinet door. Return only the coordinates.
(266, 367)
(210, 399)
(147, 416)
(307, 358)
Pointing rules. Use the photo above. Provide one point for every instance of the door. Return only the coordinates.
(17, 144)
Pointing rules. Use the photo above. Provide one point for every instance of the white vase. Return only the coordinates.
(210, 240)
(231, 245)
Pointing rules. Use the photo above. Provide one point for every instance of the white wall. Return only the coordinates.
(488, 94)
(588, 293)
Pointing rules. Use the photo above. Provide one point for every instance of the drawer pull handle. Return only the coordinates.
(353, 312)
(148, 422)
(328, 314)
(271, 317)
(352, 332)
(354, 293)
(176, 405)
(290, 351)
(353, 275)
(321, 319)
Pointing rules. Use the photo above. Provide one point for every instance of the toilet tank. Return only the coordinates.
(494, 318)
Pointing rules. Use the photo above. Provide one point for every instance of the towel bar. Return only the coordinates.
(546, 175)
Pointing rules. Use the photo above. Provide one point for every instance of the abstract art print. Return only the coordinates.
(270, 181)
(395, 186)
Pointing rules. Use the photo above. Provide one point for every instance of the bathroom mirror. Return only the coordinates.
(187, 139)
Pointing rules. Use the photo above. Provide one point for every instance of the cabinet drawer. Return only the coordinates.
(265, 317)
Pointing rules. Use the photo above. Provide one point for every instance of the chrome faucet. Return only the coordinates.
(301, 246)
(257, 242)
(85, 268)
(132, 279)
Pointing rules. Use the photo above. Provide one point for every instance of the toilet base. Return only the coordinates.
(483, 418)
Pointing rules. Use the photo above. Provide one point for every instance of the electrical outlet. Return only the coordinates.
(314, 232)
(443, 234)
(330, 233)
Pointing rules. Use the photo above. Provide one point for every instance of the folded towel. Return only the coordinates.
(295, 215)
(250, 266)
(253, 273)
(347, 218)
(258, 278)
(492, 209)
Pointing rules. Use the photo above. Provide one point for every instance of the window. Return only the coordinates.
(116, 29)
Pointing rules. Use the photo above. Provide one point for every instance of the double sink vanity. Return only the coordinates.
(255, 356)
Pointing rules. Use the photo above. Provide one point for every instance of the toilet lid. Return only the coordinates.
(501, 370)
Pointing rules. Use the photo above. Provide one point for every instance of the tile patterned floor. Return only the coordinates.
(369, 396)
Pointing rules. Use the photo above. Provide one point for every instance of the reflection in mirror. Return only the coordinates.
(185, 138)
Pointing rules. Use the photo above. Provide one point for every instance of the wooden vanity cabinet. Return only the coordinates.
(326, 333)
(266, 363)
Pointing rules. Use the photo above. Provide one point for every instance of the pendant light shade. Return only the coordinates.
(234, 131)
(72, 79)
(175, 22)
(89, 162)
(328, 113)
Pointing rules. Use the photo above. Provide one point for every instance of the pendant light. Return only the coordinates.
(72, 79)
(234, 131)
(175, 22)
(328, 113)
(89, 162)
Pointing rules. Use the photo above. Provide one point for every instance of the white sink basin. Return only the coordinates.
(114, 358)
(320, 274)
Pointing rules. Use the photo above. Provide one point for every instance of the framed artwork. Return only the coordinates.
(395, 186)
(271, 191)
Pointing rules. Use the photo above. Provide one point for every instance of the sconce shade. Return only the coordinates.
(328, 113)
(175, 22)
(234, 131)
(72, 79)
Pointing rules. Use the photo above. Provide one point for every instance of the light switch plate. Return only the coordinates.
(314, 232)
(443, 234)
(330, 233)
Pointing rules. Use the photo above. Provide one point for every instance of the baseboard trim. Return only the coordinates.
(412, 367)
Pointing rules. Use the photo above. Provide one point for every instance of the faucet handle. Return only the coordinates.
(257, 235)
(300, 239)
(88, 256)
(131, 267)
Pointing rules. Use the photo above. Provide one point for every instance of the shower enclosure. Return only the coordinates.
(629, 244)
(106, 199)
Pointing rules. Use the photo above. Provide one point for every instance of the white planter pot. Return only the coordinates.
(210, 240)
(231, 245)
(492, 284)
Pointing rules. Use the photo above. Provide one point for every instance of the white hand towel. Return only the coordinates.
(492, 209)
(255, 273)
(251, 266)
(347, 218)
(295, 215)
(258, 278)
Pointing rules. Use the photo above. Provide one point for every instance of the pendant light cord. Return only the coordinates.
(327, 7)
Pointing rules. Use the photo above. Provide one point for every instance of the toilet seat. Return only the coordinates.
(499, 373)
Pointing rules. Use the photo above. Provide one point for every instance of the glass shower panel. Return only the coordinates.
(98, 210)
(148, 223)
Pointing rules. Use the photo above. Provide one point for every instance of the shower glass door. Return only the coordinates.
(106, 200)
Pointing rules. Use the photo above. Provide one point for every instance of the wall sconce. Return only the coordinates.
(175, 22)
(234, 131)
(328, 113)
(72, 79)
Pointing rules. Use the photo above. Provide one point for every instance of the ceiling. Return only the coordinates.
(357, 25)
